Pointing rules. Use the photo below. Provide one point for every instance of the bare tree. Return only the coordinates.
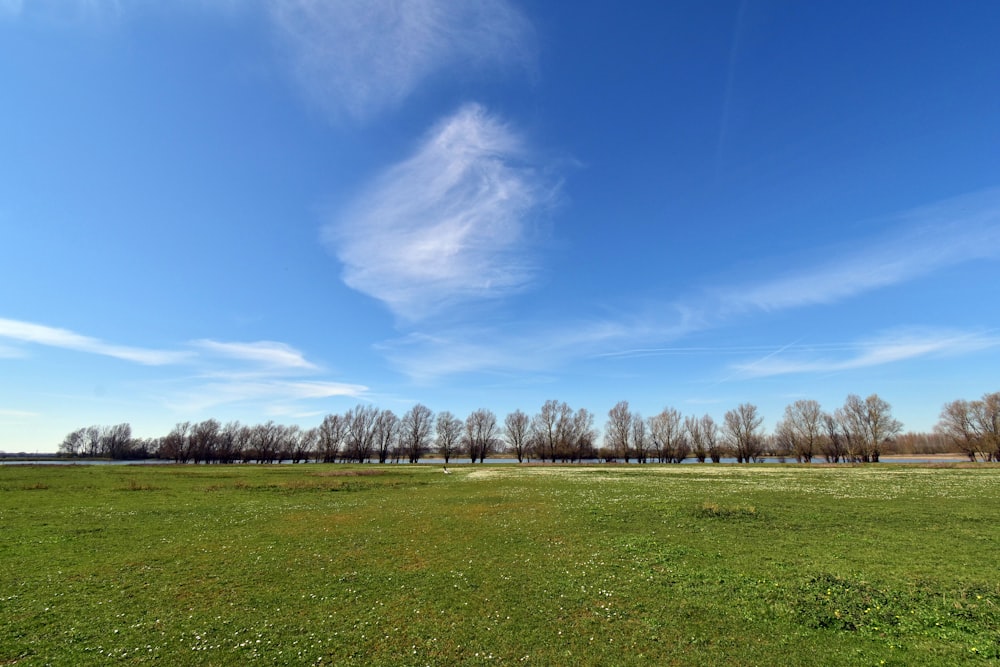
(582, 435)
(566, 444)
(665, 430)
(640, 439)
(386, 433)
(117, 441)
(305, 445)
(231, 442)
(618, 430)
(987, 415)
(804, 423)
(742, 429)
(782, 442)
(265, 441)
(92, 445)
(288, 441)
(973, 426)
(73, 444)
(481, 436)
(114, 442)
(692, 426)
(331, 437)
(449, 435)
(682, 447)
(248, 450)
(549, 428)
(174, 445)
(516, 431)
(851, 436)
(203, 441)
(415, 431)
(869, 424)
(360, 433)
(144, 448)
(710, 433)
(835, 445)
(959, 425)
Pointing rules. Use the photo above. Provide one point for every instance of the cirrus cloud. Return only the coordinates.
(933, 237)
(895, 346)
(267, 353)
(259, 373)
(272, 396)
(449, 224)
(40, 334)
(362, 56)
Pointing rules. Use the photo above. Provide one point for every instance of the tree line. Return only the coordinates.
(857, 432)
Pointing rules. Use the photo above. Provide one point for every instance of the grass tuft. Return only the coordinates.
(710, 510)
(136, 485)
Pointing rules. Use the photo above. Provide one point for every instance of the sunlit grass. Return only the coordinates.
(401, 565)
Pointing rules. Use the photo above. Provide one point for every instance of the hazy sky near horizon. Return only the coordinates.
(278, 209)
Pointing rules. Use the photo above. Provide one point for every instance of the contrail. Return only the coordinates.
(759, 361)
(730, 76)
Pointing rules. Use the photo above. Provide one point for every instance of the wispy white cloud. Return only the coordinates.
(11, 352)
(538, 349)
(266, 374)
(925, 240)
(19, 414)
(38, 334)
(362, 56)
(424, 357)
(288, 394)
(450, 224)
(891, 347)
(266, 353)
(928, 239)
(352, 58)
(262, 373)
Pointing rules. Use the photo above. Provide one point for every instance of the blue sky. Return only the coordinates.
(279, 209)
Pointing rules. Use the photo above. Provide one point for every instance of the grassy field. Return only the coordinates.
(546, 565)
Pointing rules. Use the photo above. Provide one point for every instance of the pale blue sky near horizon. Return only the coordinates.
(265, 209)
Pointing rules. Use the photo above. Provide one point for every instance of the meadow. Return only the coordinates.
(499, 564)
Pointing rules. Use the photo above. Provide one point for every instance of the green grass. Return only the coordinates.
(401, 565)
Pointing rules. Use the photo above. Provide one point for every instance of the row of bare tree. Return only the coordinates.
(858, 431)
(111, 442)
